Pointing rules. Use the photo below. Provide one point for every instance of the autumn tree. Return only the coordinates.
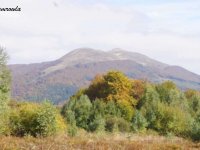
(114, 86)
(138, 89)
(193, 98)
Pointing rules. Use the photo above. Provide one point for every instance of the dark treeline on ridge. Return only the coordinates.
(112, 103)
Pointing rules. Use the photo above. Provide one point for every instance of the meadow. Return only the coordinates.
(102, 141)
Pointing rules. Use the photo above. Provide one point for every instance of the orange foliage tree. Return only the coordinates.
(113, 86)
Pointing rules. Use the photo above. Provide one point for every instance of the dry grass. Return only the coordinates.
(87, 141)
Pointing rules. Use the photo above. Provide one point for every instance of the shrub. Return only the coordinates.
(195, 129)
(72, 130)
(126, 110)
(171, 95)
(36, 120)
(194, 101)
(150, 96)
(111, 109)
(114, 124)
(48, 121)
(22, 119)
(78, 109)
(139, 122)
(167, 119)
(97, 124)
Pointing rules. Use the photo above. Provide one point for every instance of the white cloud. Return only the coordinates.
(45, 30)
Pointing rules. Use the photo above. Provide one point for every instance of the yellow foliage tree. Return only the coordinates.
(113, 86)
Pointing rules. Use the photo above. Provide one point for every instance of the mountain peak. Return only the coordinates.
(85, 50)
(81, 56)
(80, 51)
(117, 50)
(78, 67)
(89, 55)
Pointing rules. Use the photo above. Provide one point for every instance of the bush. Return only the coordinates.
(36, 120)
(171, 95)
(4, 118)
(111, 109)
(78, 109)
(22, 119)
(72, 130)
(195, 129)
(167, 119)
(150, 96)
(48, 121)
(194, 101)
(139, 123)
(114, 124)
(126, 110)
(98, 124)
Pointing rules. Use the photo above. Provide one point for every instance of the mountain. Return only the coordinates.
(59, 79)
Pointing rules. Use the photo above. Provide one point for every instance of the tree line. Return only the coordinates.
(112, 103)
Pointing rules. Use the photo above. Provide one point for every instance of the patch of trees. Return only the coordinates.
(115, 103)
(25, 118)
(112, 103)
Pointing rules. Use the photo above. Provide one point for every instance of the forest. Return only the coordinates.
(112, 103)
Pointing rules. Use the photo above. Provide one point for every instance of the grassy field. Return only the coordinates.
(87, 141)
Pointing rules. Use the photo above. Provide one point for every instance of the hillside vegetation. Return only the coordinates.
(112, 106)
(115, 103)
(58, 80)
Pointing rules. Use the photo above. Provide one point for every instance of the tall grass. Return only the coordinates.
(100, 141)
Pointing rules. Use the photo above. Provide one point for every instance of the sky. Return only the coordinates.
(166, 30)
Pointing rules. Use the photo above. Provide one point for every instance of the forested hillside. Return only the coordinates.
(113, 103)
(58, 80)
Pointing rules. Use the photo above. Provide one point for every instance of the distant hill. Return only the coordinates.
(59, 79)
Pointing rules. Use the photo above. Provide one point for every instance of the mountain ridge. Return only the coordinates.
(53, 79)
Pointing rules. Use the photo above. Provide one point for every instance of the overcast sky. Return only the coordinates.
(166, 30)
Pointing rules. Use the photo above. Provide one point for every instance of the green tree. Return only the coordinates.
(35, 119)
(193, 98)
(98, 123)
(116, 124)
(46, 120)
(139, 122)
(167, 119)
(195, 129)
(171, 95)
(111, 109)
(5, 79)
(80, 109)
(71, 121)
(22, 118)
(149, 97)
